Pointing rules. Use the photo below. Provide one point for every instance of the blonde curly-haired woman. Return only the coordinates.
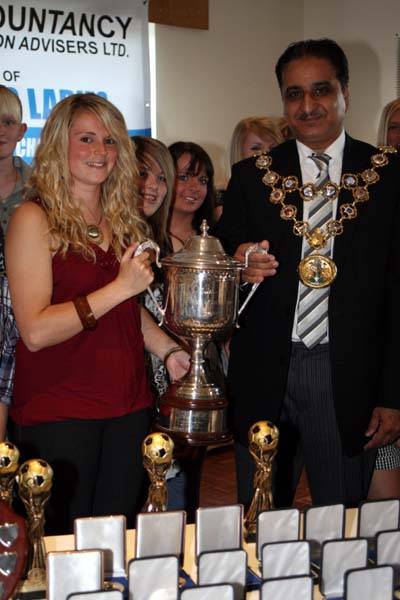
(81, 399)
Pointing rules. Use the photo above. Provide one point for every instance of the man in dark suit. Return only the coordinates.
(318, 356)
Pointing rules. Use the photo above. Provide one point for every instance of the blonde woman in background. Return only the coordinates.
(389, 124)
(253, 135)
(81, 398)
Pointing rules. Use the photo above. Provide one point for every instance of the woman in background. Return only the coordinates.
(253, 135)
(385, 481)
(81, 399)
(156, 185)
(193, 201)
(194, 194)
(389, 125)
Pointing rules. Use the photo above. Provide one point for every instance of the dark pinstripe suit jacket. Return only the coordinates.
(364, 321)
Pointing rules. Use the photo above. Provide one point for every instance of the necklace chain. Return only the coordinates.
(358, 184)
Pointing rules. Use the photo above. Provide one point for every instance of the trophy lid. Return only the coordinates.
(203, 251)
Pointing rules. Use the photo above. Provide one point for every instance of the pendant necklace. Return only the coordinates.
(94, 232)
(318, 270)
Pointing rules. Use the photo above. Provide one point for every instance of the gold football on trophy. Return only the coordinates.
(158, 448)
(36, 475)
(9, 458)
(263, 435)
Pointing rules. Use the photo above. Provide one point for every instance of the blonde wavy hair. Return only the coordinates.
(148, 149)
(274, 127)
(386, 115)
(51, 180)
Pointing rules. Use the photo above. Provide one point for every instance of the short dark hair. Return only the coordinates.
(199, 159)
(323, 48)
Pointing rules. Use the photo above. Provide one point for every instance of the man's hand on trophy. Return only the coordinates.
(177, 362)
(383, 428)
(261, 265)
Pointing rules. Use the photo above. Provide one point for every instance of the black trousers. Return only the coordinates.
(309, 437)
(97, 465)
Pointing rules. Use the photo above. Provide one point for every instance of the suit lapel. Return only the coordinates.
(353, 162)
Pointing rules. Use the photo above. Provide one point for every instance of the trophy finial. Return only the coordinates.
(204, 228)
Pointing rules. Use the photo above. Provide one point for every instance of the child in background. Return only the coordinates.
(13, 174)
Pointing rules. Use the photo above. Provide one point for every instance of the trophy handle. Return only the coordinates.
(251, 250)
(150, 245)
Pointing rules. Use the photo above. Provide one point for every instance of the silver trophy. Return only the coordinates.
(201, 305)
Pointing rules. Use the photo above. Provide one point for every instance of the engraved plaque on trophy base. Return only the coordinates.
(197, 421)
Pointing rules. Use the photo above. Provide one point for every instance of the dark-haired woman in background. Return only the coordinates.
(194, 196)
(193, 201)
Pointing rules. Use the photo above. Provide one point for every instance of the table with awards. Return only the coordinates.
(289, 569)
(268, 553)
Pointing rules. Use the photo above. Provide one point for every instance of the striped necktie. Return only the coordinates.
(312, 309)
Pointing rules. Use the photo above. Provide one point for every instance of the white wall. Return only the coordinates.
(366, 29)
(208, 80)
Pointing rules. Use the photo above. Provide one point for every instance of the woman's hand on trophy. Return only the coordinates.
(177, 362)
(260, 264)
(135, 272)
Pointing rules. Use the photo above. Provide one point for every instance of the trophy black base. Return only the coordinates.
(27, 591)
(197, 421)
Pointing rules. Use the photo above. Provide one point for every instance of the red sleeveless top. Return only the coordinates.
(95, 374)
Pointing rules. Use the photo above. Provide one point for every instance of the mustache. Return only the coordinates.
(304, 115)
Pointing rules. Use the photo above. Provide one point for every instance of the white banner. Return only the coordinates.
(50, 49)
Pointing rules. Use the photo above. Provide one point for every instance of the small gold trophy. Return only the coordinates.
(263, 444)
(9, 459)
(157, 450)
(34, 482)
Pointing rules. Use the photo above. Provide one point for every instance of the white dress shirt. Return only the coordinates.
(309, 173)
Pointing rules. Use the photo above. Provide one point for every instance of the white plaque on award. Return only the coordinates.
(339, 556)
(388, 548)
(285, 559)
(369, 584)
(75, 571)
(222, 591)
(224, 566)
(103, 595)
(322, 523)
(160, 533)
(300, 588)
(377, 516)
(219, 528)
(153, 578)
(107, 534)
(280, 525)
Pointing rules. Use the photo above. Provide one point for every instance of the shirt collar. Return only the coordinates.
(335, 150)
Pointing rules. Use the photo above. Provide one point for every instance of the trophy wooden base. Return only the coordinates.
(196, 421)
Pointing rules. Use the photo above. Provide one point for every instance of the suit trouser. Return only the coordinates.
(309, 436)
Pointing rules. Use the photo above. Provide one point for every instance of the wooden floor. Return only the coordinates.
(218, 483)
